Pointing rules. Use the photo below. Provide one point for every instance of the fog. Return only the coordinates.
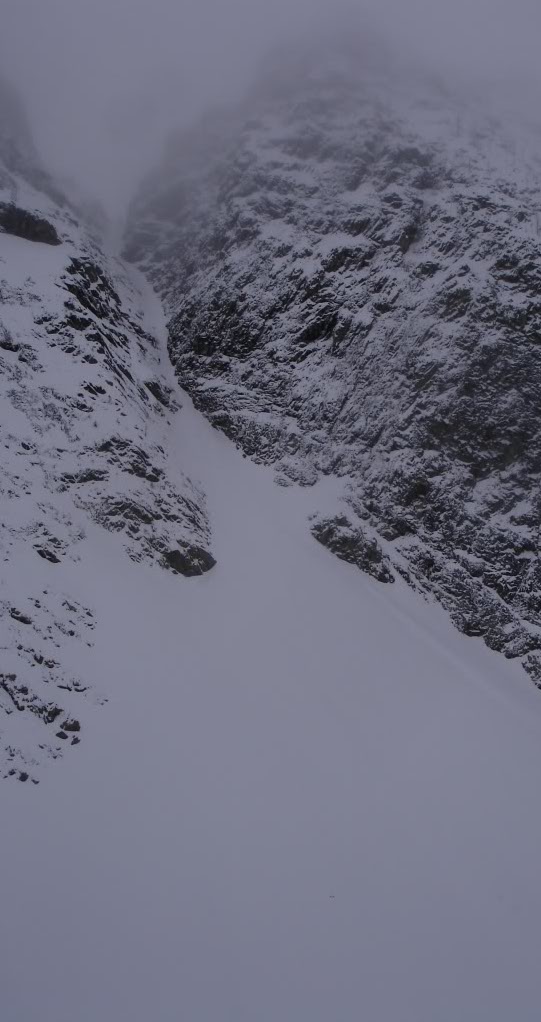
(104, 81)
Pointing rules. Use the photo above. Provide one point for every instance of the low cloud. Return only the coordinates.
(105, 80)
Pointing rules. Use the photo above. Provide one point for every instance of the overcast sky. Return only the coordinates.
(104, 80)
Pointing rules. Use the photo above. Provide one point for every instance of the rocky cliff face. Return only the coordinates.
(351, 265)
(85, 417)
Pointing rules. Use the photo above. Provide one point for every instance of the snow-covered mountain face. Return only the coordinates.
(351, 264)
(308, 796)
(85, 419)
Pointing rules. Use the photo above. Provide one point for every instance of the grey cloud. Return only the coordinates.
(104, 80)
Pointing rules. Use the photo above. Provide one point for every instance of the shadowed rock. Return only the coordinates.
(23, 224)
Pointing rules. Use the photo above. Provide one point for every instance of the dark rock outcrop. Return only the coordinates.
(350, 544)
(24, 224)
(190, 561)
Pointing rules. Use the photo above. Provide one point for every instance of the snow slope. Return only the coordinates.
(308, 799)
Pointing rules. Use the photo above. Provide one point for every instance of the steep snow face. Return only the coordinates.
(351, 266)
(85, 415)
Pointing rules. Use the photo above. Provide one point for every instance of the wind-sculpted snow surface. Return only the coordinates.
(352, 268)
(85, 420)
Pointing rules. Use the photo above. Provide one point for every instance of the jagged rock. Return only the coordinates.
(18, 615)
(160, 391)
(351, 545)
(131, 457)
(71, 725)
(190, 561)
(6, 341)
(48, 555)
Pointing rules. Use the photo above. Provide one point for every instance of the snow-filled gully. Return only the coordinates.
(308, 798)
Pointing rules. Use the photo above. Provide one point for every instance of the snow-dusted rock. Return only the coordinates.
(350, 544)
(86, 413)
(351, 264)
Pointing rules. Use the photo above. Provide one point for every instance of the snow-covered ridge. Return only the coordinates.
(86, 414)
(352, 267)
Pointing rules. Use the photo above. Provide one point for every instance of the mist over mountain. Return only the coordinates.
(106, 82)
